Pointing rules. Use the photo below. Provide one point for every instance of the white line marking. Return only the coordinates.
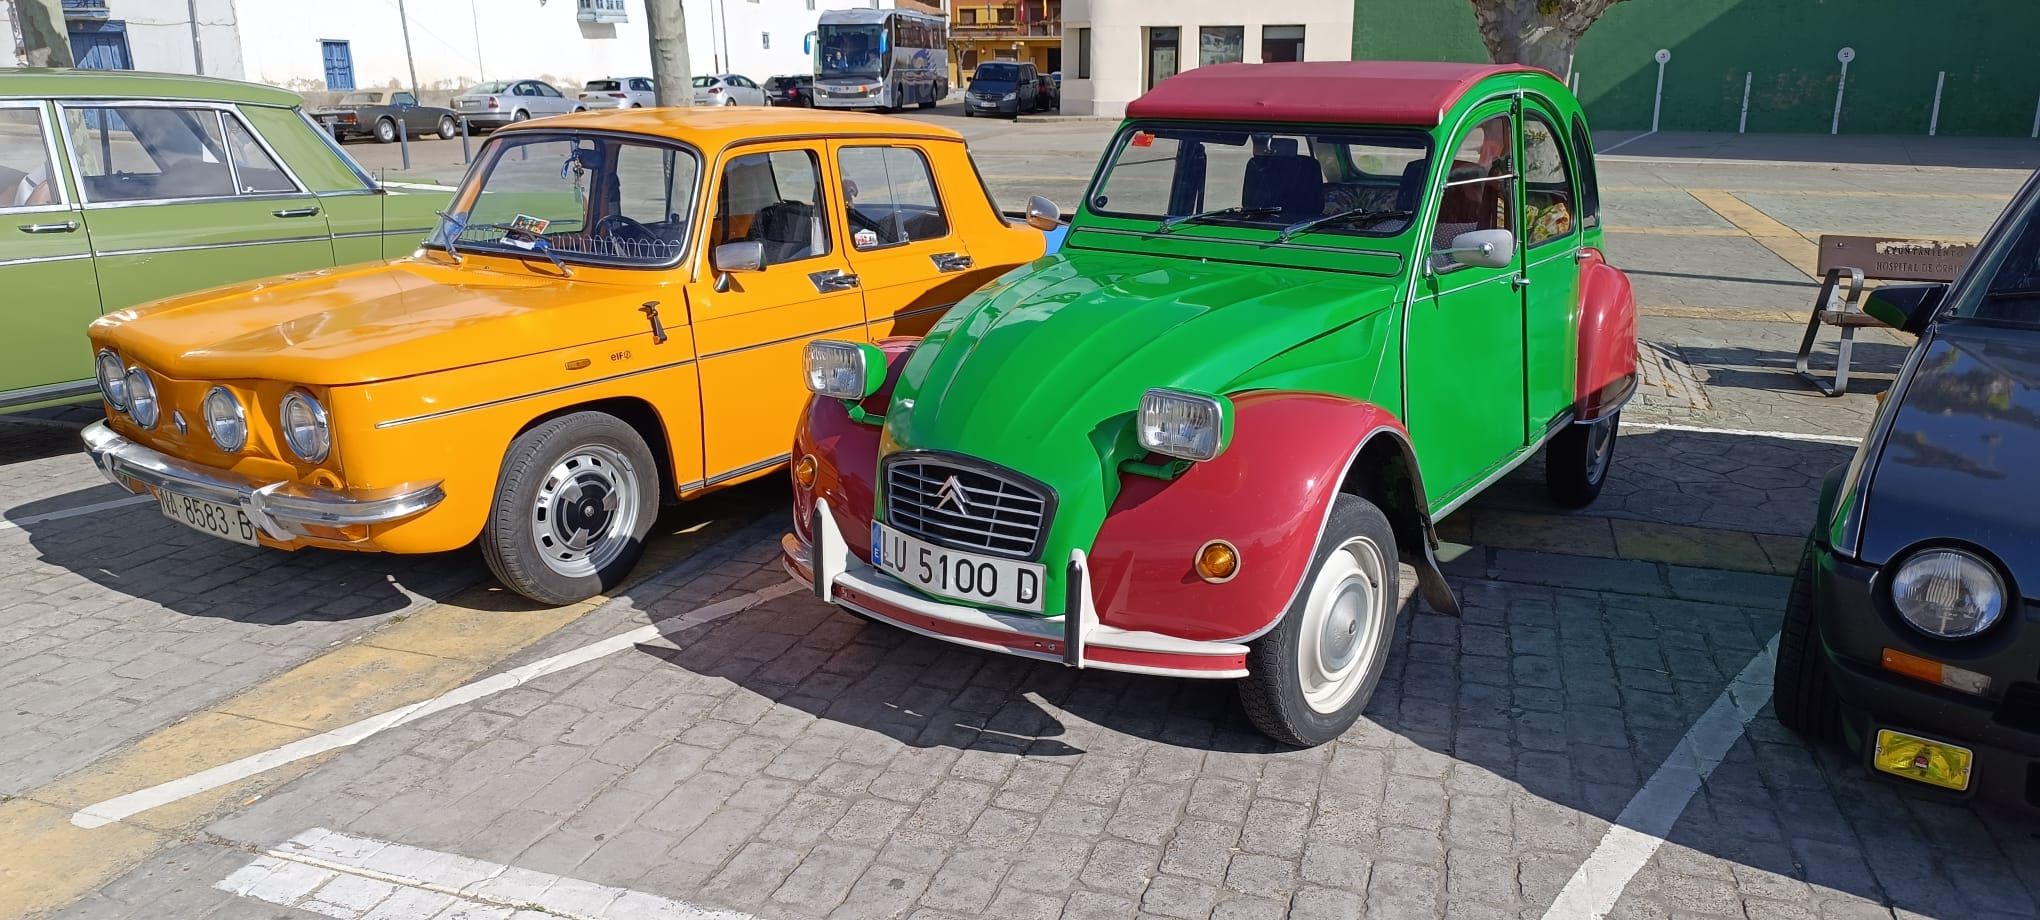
(1745, 432)
(1618, 146)
(30, 520)
(1650, 814)
(134, 803)
(360, 878)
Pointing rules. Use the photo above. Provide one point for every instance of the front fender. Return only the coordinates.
(846, 454)
(1607, 346)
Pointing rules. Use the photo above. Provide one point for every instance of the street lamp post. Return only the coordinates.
(404, 21)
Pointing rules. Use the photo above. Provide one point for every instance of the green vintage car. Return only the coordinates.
(1304, 311)
(119, 188)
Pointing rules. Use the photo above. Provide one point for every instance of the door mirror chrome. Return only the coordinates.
(1043, 214)
(742, 256)
(1905, 307)
(1484, 248)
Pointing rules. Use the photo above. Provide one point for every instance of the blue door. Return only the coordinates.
(100, 45)
(339, 64)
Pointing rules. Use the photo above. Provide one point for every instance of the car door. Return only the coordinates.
(551, 100)
(1551, 243)
(1464, 376)
(751, 327)
(907, 252)
(45, 264)
(416, 121)
(641, 92)
(1030, 93)
(183, 196)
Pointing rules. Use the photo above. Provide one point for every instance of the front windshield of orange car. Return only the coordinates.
(596, 198)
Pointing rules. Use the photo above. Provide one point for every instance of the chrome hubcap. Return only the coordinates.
(585, 511)
(1345, 621)
(1600, 448)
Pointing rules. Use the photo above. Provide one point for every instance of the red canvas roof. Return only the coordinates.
(1340, 92)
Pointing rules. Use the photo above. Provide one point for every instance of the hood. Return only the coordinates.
(376, 322)
(1955, 463)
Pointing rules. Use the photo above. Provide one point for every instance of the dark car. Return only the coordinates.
(379, 115)
(1913, 628)
(1047, 95)
(1002, 88)
(794, 89)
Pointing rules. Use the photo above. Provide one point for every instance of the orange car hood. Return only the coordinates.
(377, 322)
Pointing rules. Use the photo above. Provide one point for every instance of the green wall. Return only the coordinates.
(1986, 46)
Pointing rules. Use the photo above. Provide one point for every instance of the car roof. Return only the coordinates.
(714, 127)
(1414, 93)
(50, 82)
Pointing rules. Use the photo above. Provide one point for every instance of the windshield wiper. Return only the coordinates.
(1171, 223)
(453, 238)
(1348, 216)
(539, 245)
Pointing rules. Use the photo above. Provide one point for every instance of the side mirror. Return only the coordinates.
(1484, 248)
(1043, 214)
(741, 256)
(1905, 307)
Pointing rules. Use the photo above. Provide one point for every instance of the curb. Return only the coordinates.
(1061, 119)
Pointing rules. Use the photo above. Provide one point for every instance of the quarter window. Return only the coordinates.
(1590, 188)
(255, 168)
(27, 177)
(1479, 189)
(1549, 212)
(891, 195)
(775, 199)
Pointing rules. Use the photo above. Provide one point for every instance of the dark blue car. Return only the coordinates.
(1913, 629)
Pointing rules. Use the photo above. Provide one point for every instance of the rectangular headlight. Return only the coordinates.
(1188, 426)
(844, 370)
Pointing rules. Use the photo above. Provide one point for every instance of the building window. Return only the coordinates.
(966, 17)
(339, 64)
(100, 44)
(1005, 15)
(1281, 43)
(1163, 44)
(765, 40)
(1083, 54)
(1220, 44)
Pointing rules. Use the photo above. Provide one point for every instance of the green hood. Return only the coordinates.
(1041, 372)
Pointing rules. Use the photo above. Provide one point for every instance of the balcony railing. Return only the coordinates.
(990, 30)
(85, 9)
(602, 11)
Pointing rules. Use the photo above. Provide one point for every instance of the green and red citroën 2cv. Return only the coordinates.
(1304, 310)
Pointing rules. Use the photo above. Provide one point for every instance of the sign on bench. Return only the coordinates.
(1867, 258)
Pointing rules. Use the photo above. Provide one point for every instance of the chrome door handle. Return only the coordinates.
(65, 227)
(1519, 281)
(834, 279)
(296, 212)
(950, 261)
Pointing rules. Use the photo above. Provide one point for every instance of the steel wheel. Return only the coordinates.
(584, 512)
(386, 131)
(447, 129)
(1345, 620)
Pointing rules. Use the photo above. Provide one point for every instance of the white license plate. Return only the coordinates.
(954, 574)
(227, 522)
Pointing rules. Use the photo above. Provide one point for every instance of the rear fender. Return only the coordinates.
(846, 455)
(1269, 495)
(1607, 346)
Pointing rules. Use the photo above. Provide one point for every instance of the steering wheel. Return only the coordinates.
(630, 229)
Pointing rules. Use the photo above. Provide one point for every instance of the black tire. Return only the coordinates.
(1801, 692)
(537, 471)
(928, 104)
(1578, 460)
(967, 112)
(385, 131)
(447, 128)
(520, 115)
(1274, 693)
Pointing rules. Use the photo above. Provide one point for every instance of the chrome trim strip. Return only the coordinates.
(47, 391)
(795, 338)
(745, 470)
(31, 261)
(903, 315)
(163, 249)
(490, 404)
(359, 234)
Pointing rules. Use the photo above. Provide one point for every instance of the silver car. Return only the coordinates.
(619, 93)
(727, 89)
(500, 102)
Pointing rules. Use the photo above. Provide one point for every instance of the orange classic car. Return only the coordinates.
(612, 312)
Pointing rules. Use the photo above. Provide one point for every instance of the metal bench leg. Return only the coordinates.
(1801, 362)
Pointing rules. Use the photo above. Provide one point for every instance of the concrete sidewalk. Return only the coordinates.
(1841, 151)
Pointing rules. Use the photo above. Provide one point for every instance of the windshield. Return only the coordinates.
(603, 86)
(361, 99)
(2014, 292)
(585, 198)
(1265, 179)
(850, 51)
(997, 73)
(483, 89)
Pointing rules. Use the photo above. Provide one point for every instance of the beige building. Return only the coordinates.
(1113, 50)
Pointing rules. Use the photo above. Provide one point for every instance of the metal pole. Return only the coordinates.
(2036, 119)
(1743, 125)
(404, 143)
(197, 53)
(476, 18)
(1657, 103)
(1845, 56)
(404, 21)
(1934, 123)
(466, 152)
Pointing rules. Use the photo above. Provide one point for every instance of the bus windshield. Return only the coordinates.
(851, 51)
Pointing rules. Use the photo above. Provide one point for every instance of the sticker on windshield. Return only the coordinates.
(1143, 139)
(864, 239)
(524, 231)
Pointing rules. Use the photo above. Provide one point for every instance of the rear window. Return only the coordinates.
(703, 82)
(483, 89)
(603, 86)
(999, 73)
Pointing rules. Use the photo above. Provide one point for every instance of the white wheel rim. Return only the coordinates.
(585, 511)
(1600, 448)
(1344, 622)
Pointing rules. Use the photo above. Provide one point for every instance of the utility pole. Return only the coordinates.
(672, 76)
(404, 21)
(197, 52)
(44, 40)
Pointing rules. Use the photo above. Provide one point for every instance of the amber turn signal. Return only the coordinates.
(1218, 562)
(1934, 672)
(804, 471)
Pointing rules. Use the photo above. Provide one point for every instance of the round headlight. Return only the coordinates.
(305, 427)
(1948, 594)
(112, 379)
(225, 420)
(141, 398)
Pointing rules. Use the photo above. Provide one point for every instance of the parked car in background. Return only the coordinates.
(727, 89)
(618, 93)
(612, 313)
(1304, 311)
(1912, 633)
(1048, 93)
(794, 89)
(167, 184)
(1002, 88)
(502, 102)
(378, 114)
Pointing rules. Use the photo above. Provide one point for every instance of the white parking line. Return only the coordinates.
(30, 520)
(359, 878)
(134, 803)
(1641, 827)
(1745, 432)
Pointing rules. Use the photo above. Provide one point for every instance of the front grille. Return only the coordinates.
(985, 510)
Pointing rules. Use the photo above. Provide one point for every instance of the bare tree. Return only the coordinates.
(1541, 33)
(44, 41)
(672, 76)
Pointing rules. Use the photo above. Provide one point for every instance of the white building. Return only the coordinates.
(146, 35)
(1114, 50)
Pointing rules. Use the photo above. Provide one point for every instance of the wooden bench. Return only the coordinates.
(1860, 259)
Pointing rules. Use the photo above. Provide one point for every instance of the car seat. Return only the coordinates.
(1295, 184)
(788, 229)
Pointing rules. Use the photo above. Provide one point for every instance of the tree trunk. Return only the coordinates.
(44, 41)
(672, 75)
(1540, 33)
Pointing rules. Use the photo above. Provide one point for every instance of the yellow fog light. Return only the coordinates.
(1218, 562)
(804, 471)
(1916, 758)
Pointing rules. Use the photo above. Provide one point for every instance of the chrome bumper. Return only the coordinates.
(281, 509)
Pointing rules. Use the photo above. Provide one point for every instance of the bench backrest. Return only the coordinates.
(1895, 259)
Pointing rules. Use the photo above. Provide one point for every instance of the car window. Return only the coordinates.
(599, 199)
(523, 89)
(403, 99)
(27, 177)
(642, 86)
(483, 89)
(890, 194)
(1547, 183)
(136, 153)
(1590, 188)
(256, 169)
(703, 82)
(775, 199)
(545, 89)
(1479, 189)
(997, 73)
(601, 86)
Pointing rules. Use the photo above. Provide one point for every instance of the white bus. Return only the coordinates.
(880, 59)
